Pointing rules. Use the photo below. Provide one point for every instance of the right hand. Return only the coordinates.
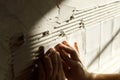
(73, 67)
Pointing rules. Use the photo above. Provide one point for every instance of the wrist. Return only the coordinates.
(90, 76)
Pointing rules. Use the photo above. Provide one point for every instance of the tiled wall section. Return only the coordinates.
(108, 47)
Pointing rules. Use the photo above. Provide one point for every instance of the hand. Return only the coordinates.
(50, 65)
(73, 67)
(58, 73)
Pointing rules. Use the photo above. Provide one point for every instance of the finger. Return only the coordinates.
(41, 71)
(60, 69)
(66, 71)
(66, 43)
(59, 62)
(60, 50)
(64, 55)
(53, 57)
(63, 77)
(66, 48)
(60, 75)
(66, 58)
(48, 67)
(57, 48)
(76, 46)
(41, 51)
(69, 50)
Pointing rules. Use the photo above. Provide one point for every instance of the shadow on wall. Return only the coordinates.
(29, 12)
(20, 16)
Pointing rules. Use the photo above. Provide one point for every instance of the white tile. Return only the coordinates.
(106, 47)
(116, 41)
(92, 45)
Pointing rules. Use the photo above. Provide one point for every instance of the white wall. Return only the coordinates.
(34, 16)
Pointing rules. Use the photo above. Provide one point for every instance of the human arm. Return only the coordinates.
(94, 76)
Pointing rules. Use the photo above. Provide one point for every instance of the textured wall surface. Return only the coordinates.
(30, 17)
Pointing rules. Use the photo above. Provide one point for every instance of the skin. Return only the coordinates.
(105, 76)
(73, 68)
(60, 63)
(50, 66)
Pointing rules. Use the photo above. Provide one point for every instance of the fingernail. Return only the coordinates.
(51, 49)
(60, 45)
(75, 42)
(64, 42)
(51, 52)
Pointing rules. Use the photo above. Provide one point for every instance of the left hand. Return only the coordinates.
(58, 73)
(50, 66)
